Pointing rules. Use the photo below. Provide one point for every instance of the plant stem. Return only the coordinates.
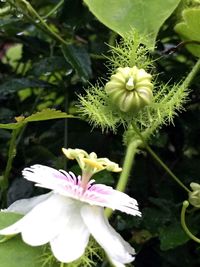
(127, 165)
(185, 228)
(54, 9)
(192, 74)
(131, 151)
(11, 155)
(62, 264)
(157, 158)
(52, 33)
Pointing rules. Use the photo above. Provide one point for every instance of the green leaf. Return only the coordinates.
(14, 252)
(172, 236)
(46, 114)
(123, 15)
(11, 126)
(14, 85)
(49, 65)
(189, 29)
(79, 59)
(7, 218)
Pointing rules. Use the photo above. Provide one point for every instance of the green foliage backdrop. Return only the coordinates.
(50, 52)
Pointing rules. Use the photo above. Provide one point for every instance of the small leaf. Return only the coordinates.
(123, 15)
(172, 236)
(189, 29)
(47, 114)
(7, 218)
(14, 252)
(11, 126)
(48, 65)
(79, 59)
(14, 85)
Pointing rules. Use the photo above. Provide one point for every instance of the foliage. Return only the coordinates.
(48, 51)
(189, 30)
(124, 15)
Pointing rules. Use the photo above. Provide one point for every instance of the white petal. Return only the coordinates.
(48, 177)
(116, 263)
(106, 196)
(70, 244)
(46, 220)
(43, 222)
(23, 206)
(117, 249)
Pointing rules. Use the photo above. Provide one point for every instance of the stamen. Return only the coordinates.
(93, 164)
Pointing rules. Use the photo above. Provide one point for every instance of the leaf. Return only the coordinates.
(172, 236)
(5, 22)
(46, 114)
(11, 126)
(14, 85)
(48, 65)
(123, 15)
(79, 59)
(14, 252)
(7, 218)
(189, 29)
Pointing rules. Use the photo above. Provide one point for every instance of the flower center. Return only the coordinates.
(130, 84)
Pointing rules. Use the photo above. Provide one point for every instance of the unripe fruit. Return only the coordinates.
(130, 89)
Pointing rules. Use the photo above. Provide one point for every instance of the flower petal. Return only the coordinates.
(23, 206)
(43, 222)
(117, 249)
(46, 220)
(106, 196)
(70, 244)
(48, 177)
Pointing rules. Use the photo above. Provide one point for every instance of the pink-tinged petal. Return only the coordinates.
(23, 206)
(47, 177)
(71, 242)
(106, 196)
(117, 249)
(67, 184)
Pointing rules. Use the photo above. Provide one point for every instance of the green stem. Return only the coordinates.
(183, 223)
(66, 126)
(127, 165)
(34, 13)
(54, 9)
(159, 160)
(11, 155)
(62, 264)
(131, 151)
(192, 74)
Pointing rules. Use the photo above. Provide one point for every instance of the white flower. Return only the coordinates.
(67, 216)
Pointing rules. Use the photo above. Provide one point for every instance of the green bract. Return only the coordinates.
(130, 89)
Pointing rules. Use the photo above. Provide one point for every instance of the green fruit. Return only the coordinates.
(130, 89)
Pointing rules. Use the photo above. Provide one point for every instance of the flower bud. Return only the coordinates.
(194, 196)
(130, 89)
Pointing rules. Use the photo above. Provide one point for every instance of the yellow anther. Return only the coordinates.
(93, 164)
